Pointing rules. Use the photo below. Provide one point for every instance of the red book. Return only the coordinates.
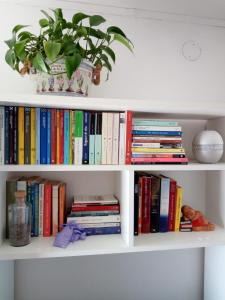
(61, 136)
(62, 205)
(95, 207)
(53, 136)
(172, 205)
(146, 192)
(149, 160)
(47, 209)
(141, 189)
(128, 137)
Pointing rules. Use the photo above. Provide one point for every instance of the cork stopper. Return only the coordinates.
(20, 194)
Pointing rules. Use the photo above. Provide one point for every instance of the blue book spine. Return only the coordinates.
(6, 135)
(103, 230)
(164, 204)
(36, 209)
(163, 133)
(32, 196)
(43, 131)
(85, 159)
(49, 136)
(37, 135)
(66, 137)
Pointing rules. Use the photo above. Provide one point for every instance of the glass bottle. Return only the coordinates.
(19, 221)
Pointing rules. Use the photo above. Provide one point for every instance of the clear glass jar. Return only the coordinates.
(19, 221)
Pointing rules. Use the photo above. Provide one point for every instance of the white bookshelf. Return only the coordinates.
(204, 184)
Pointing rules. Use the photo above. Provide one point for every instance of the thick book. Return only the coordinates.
(11, 135)
(104, 137)
(62, 205)
(85, 156)
(43, 134)
(103, 230)
(15, 135)
(78, 137)
(172, 205)
(140, 203)
(57, 137)
(136, 202)
(86, 208)
(149, 122)
(146, 201)
(115, 141)
(164, 204)
(109, 139)
(32, 136)
(49, 136)
(2, 135)
(27, 137)
(66, 137)
(128, 137)
(92, 126)
(6, 152)
(179, 196)
(61, 136)
(95, 219)
(55, 207)
(155, 204)
(95, 199)
(41, 206)
(159, 160)
(53, 135)
(47, 224)
(122, 138)
(38, 135)
(153, 132)
(98, 138)
(36, 207)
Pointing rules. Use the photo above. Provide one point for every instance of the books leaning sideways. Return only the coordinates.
(96, 214)
(157, 142)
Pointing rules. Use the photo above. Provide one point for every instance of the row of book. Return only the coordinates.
(99, 214)
(31, 135)
(47, 199)
(157, 141)
(157, 204)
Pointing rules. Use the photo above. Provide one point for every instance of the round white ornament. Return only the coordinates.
(207, 146)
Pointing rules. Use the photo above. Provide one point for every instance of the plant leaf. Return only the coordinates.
(10, 58)
(43, 23)
(82, 31)
(124, 41)
(58, 13)
(114, 29)
(72, 63)
(96, 20)
(47, 16)
(20, 48)
(110, 52)
(39, 64)
(52, 49)
(79, 17)
(10, 43)
(18, 27)
(96, 33)
(25, 35)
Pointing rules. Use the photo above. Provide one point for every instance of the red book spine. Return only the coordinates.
(53, 136)
(172, 205)
(47, 210)
(140, 205)
(95, 207)
(159, 160)
(62, 205)
(146, 205)
(61, 136)
(128, 137)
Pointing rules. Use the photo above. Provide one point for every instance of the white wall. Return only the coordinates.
(157, 70)
(6, 280)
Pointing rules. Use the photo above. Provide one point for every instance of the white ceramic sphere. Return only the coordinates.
(208, 146)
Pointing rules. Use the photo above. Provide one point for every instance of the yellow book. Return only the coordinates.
(179, 196)
(33, 136)
(71, 137)
(57, 136)
(21, 135)
(157, 150)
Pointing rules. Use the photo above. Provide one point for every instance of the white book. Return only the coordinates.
(55, 208)
(157, 128)
(96, 219)
(146, 145)
(164, 204)
(94, 225)
(41, 207)
(104, 137)
(122, 138)
(2, 135)
(78, 150)
(90, 199)
(109, 139)
(115, 140)
(156, 138)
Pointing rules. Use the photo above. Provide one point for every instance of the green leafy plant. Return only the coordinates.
(72, 41)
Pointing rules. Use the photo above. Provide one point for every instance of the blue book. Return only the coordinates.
(163, 133)
(66, 137)
(164, 204)
(85, 159)
(49, 136)
(37, 135)
(43, 131)
(6, 135)
(103, 230)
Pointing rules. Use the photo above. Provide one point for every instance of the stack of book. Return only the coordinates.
(31, 135)
(157, 141)
(96, 214)
(47, 199)
(157, 204)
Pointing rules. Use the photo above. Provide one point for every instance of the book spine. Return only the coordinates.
(136, 202)
(2, 135)
(109, 139)
(152, 132)
(53, 136)
(93, 213)
(128, 137)
(172, 203)
(85, 159)
(62, 205)
(104, 137)
(57, 136)
(157, 151)
(164, 204)
(159, 160)
(155, 204)
(140, 204)
(61, 136)
(38, 135)
(15, 135)
(71, 138)
(47, 210)
(160, 155)
(103, 230)
(11, 136)
(146, 145)
(32, 201)
(92, 125)
(98, 138)
(78, 137)
(145, 228)
(6, 152)
(98, 219)
(115, 148)
(27, 132)
(55, 209)
(179, 195)
(41, 208)
(157, 128)
(43, 133)
(147, 122)
(49, 136)
(33, 136)
(36, 210)
(95, 207)
(66, 137)
(122, 139)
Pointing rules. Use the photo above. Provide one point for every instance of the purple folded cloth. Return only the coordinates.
(71, 233)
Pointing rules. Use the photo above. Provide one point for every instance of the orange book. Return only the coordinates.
(47, 222)
(62, 205)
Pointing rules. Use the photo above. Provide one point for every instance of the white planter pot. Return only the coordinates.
(59, 84)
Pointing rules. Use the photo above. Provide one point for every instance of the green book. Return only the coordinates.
(78, 137)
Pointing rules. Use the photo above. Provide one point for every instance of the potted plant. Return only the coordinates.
(67, 56)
